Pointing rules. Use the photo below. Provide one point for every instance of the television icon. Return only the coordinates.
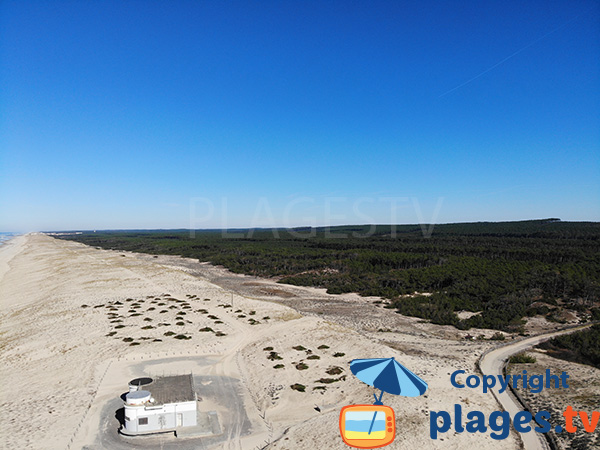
(367, 426)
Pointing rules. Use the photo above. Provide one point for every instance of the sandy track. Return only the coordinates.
(492, 363)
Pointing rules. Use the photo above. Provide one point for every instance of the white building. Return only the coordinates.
(160, 405)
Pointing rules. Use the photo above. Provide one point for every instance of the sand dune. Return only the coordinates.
(77, 322)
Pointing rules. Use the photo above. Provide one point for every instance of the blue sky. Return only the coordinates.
(171, 114)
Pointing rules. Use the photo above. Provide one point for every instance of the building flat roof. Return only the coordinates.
(172, 389)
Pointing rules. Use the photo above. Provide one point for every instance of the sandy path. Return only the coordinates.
(70, 315)
(492, 364)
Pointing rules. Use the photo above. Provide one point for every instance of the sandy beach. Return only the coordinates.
(77, 323)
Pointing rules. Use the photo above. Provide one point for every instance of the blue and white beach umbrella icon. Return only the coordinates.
(388, 375)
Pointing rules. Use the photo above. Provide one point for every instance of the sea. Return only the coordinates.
(6, 236)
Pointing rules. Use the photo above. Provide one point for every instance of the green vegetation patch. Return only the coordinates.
(334, 370)
(522, 358)
(581, 347)
(274, 356)
(298, 387)
(495, 269)
(182, 337)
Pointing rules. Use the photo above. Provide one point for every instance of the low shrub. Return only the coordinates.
(298, 387)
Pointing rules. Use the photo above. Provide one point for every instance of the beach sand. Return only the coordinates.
(66, 309)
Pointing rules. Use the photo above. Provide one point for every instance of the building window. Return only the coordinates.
(143, 421)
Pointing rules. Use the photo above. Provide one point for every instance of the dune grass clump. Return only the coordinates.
(206, 329)
(128, 339)
(147, 327)
(157, 340)
(180, 323)
(213, 317)
(241, 316)
(522, 358)
(266, 318)
(338, 355)
(218, 321)
(274, 356)
(135, 314)
(163, 311)
(323, 347)
(169, 333)
(134, 343)
(334, 370)
(152, 308)
(172, 307)
(299, 348)
(183, 337)
(268, 349)
(326, 380)
(148, 319)
(298, 387)
(251, 313)
(301, 366)
(278, 366)
(120, 326)
(112, 333)
(313, 357)
(220, 333)
(320, 388)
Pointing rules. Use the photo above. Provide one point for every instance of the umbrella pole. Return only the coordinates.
(377, 402)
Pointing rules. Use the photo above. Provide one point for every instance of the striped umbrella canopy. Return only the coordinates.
(388, 375)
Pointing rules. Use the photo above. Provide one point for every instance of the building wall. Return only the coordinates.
(161, 417)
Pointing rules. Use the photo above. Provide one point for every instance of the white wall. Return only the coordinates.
(161, 417)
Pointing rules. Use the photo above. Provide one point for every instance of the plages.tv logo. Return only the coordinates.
(374, 426)
(499, 422)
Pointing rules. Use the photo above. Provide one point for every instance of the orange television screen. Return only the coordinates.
(367, 426)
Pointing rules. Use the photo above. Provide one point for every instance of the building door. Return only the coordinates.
(179, 420)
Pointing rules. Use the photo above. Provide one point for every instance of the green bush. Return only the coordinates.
(298, 387)
(522, 358)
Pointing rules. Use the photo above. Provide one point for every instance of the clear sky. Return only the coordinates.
(171, 114)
